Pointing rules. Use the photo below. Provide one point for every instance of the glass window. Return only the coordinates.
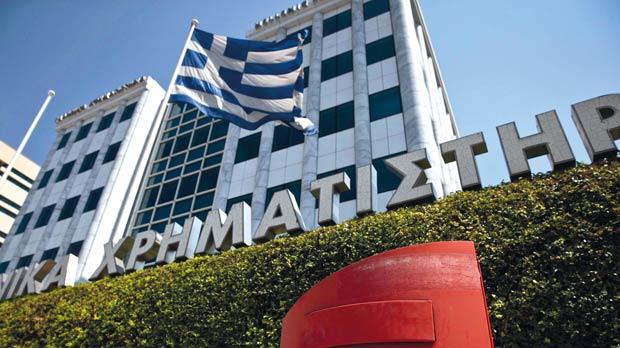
(203, 201)
(196, 154)
(69, 208)
(171, 174)
(176, 160)
(293, 186)
(203, 120)
(169, 134)
(220, 129)
(191, 115)
(306, 76)
(162, 212)
(182, 207)
(83, 132)
(45, 179)
(245, 198)
(173, 123)
(201, 135)
(386, 179)
(182, 143)
(192, 167)
(336, 66)
(168, 190)
(164, 149)
(216, 147)
(45, 215)
(156, 179)
(144, 217)
(5, 265)
(159, 166)
(177, 108)
(385, 103)
(160, 227)
(374, 8)
(64, 140)
(65, 171)
(24, 261)
(248, 147)
(213, 160)
(89, 161)
(106, 122)
(21, 228)
(285, 136)
(379, 50)
(208, 179)
(93, 200)
(110, 155)
(188, 186)
(351, 193)
(336, 23)
(186, 127)
(150, 197)
(75, 248)
(49, 254)
(128, 112)
(336, 119)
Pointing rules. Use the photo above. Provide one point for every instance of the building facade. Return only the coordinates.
(372, 87)
(84, 193)
(15, 189)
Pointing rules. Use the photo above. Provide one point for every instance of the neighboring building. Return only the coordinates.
(15, 189)
(83, 196)
(372, 87)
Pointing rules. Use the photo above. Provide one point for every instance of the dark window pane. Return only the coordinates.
(93, 200)
(169, 134)
(190, 116)
(83, 132)
(208, 179)
(65, 171)
(171, 174)
(144, 217)
(216, 147)
(213, 160)
(219, 130)
(293, 186)
(21, 228)
(336, 23)
(374, 8)
(5, 265)
(89, 161)
(110, 155)
(247, 147)
(186, 127)
(336, 66)
(156, 179)
(164, 149)
(49, 254)
(203, 201)
(150, 197)
(177, 108)
(106, 122)
(64, 140)
(386, 179)
(336, 119)
(385, 103)
(159, 166)
(128, 112)
(75, 248)
(182, 143)
(201, 135)
(69, 208)
(173, 123)
(245, 198)
(45, 179)
(188, 186)
(285, 136)
(160, 227)
(162, 212)
(176, 160)
(379, 50)
(168, 190)
(45, 215)
(192, 167)
(24, 261)
(306, 76)
(182, 207)
(196, 154)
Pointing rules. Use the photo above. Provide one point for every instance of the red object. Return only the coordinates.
(427, 295)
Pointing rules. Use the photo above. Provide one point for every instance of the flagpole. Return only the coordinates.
(8, 169)
(162, 106)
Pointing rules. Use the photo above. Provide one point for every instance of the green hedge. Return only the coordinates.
(548, 248)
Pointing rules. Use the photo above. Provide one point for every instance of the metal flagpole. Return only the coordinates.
(8, 169)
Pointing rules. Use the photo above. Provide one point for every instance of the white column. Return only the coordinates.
(417, 113)
(363, 143)
(226, 168)
(313, 108)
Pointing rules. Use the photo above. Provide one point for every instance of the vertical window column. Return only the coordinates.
(363, 143)
(313, 107)
(226, 168)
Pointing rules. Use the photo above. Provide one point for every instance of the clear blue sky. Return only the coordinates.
(501, 61)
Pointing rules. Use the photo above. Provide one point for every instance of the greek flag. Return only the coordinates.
(245, 82)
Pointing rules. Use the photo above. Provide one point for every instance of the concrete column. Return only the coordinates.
(417, 112)
(363, 143)
(259, 195)
(313, 108)
(226, 168)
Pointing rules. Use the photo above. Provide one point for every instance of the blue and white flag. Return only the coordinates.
(245, 82)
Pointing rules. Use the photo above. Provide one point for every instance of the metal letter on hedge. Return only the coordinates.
(550, 141)
(221, 231)
(32, 282)
(328, 190)
(413, 187)
(366, 185)
(144, 249)
(178, 242)
(11, 283)
(463, 151)
(598, 123)
(112, 263)
(282, 215)
(63, 274)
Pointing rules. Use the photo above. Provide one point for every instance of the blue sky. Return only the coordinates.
(502, 61)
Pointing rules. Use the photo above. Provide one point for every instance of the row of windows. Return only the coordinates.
(14, 181)
(20, 174)
(7, 212)
(336, 23)
(50, 254)
(67, 211)
(87, 164)
(104, 123)
(247, 147)
(9, 202)
(374, 8)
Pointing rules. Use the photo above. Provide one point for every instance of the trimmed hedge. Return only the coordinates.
(548, 248)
